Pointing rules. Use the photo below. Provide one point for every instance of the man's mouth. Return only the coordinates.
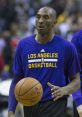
(41, 27)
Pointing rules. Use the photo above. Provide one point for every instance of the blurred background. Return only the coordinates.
(17, 20)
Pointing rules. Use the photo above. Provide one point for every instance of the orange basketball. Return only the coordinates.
(28, 91)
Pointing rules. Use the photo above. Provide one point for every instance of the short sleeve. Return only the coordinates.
(73, 65)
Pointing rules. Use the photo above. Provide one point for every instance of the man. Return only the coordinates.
(50, 59)
(77, 40)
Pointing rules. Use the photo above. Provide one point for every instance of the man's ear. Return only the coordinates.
(55, 21)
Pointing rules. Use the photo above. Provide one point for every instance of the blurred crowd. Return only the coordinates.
(17, 20)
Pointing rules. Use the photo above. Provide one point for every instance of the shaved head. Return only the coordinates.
(50, 10)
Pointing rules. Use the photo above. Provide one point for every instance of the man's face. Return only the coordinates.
(44, 21)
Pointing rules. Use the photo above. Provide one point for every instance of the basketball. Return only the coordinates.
(28, 91)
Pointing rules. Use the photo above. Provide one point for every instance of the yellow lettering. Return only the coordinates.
(29, 66)
(40, 65)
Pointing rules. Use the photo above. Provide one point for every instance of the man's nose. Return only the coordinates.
(41, 20)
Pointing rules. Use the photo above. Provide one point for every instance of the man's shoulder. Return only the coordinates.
(78, 34)
(64, 41)
(77, 38)
(27, 39)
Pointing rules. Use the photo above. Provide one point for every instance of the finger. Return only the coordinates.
(50, 85)
(56, 98)
(54, 88)
(57, 92)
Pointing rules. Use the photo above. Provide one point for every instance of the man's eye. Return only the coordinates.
(46, 17)
(38, 17)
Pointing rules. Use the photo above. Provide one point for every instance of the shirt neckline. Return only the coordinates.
(51, 41)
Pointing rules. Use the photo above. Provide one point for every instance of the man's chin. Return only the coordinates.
(41, 32)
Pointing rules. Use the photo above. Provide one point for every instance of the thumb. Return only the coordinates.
(50, 85)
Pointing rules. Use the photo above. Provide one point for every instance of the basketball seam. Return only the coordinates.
(25, 104)
(28, 90)
(20, 89)
(29, 99)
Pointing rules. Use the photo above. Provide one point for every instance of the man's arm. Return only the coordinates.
(17, 75)
(12, 103)
(79, 109)
(74, 84)
(58, 92)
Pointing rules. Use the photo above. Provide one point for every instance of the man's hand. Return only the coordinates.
(57, 92)
(11, 114)
(79, 109)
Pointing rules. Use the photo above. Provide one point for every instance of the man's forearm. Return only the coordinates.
(73, 86)
(12, 103)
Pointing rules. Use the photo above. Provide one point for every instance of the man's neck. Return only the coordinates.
(43, 39)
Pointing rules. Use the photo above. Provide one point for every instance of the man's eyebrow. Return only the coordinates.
(37, 14)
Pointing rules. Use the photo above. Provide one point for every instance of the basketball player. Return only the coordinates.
(77, 40)
(50, 59)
